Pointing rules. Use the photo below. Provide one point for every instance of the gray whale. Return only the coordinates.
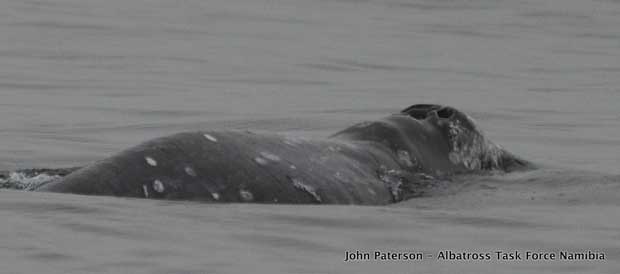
(372, 163)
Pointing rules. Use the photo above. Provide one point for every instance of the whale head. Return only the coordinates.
(467, 143)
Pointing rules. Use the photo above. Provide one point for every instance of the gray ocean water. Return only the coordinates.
(82, 79)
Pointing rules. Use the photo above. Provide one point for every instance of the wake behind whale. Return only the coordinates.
(374, 163)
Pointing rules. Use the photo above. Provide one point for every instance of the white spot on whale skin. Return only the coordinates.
(293, 167)
(215, 196)
(404, 158)
(393, 180)
(372, 192)
(294, 140)
(150, 161)
(158, 186)
(246, 196)
(210, 138)
(339, 175)
(363, 124)
(335, 148)
(260, 161)
(454, 158)
(472, 164)
(190, 171)
(270, 156)
(146, 191)
(309, 189)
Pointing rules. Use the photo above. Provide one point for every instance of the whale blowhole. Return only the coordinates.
(445, 113)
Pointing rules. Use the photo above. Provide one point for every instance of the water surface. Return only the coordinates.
(80, 80)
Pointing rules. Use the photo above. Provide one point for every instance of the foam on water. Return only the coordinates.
(25, 181)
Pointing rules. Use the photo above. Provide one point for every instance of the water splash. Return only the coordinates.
(31, 179)
(25, 181)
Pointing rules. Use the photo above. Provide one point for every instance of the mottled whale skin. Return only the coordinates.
(371, 163)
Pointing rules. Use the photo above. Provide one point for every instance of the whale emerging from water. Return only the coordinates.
(372, 163)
